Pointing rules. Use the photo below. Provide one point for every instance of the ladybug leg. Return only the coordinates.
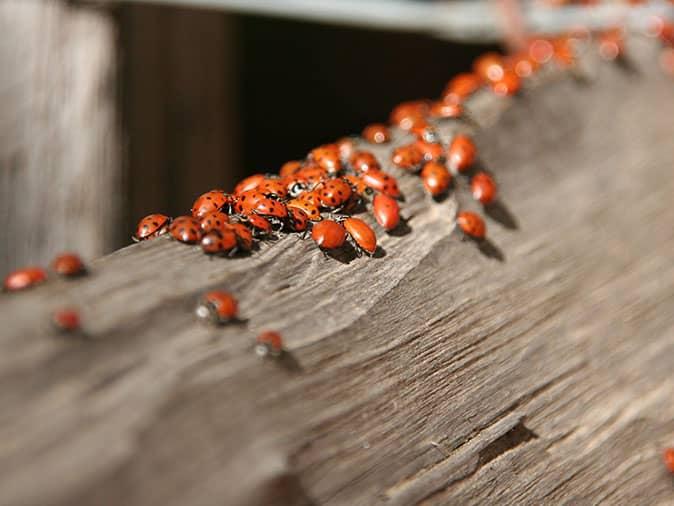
(135, 239)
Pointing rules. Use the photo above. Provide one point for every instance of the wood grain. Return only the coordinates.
(60, 156)
(432, 375)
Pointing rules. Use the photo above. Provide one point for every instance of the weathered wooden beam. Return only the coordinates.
(432, 375)
(60, 151)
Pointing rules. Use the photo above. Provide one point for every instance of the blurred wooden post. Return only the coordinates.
(60, 155)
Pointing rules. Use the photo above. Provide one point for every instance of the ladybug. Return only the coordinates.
(311, 210)
(273, 188)
(358, 185)
(382, 182)
(461, 153)
(483, 187)
(269, 343)
(311, 174)
(290, 168)
(310, 197)
(346, 147)
(247, 201)
(523, 64)
(377, 133)
(435, 178)
(298, 221)
(259, 225)
(334, 193)
(611, 45)
(210, 201)
(407, 157)
(219, 241)
(424, 131)
(460, 88)
(217, 307)
(152, 225)
(444, 110)
(362, 161)
(327, 157)
(404, 115)
(215, 220)
(24, 278)
(508, 85)
(271, 207)
(249, 183)
(490, 67)
(668, 459)
(66, 320)
(431, 151)
(68, 264)
(186, 229)
(386, 211)
(361, 234)
(328, 235)
(471, 224)
(244, 236)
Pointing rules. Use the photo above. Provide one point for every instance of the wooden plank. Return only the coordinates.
(432, 375)
(60, 160)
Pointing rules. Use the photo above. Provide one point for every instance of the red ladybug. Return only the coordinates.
(244, 236)
(152, 225)
(214, 221)
(444, 110)
(523, 64)
(431, 151)
(249, 183)
(68, 264)
(461, 153)
(407, 157)
(311, 210)
(328, 235)
(269, 343)
(668, 459)
(273, 188)
(24, 278)
(210, 201)
(219, 241)
(435, 178)
(424, 131)
(271, 207)
(345, 147)
(362, 234)
(508, 85)
(377, 133)
(217, 307)
(404, 115)
(311, 174)
(382, 182)
(358, 185)
(327, 157)
(259, 225)
(334, 193)
(471, 224)
(483, 188)
(460, 88)
(66, 320)
(298, 221)
(290, 168)
(247, 201)
(186, 229)
(386, 211)
(490, 67)
(362, 161)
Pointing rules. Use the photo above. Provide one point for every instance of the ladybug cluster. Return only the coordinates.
(318, 194)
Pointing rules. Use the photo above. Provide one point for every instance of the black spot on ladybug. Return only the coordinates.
(154, 224)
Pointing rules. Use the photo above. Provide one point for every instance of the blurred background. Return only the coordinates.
(113, 110)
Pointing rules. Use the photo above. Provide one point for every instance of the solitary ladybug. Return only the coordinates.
(377, 133)
(483, 187)
(24, 278)
(472, 225)
(435, 178)
(269, 344)
(66, 320)
(151, 226)
(186, 229)
(386, 211)
(361, 234)
(218, 307)
(68, 264)
(328, 235)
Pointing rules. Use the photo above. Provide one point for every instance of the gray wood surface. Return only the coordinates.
(60, 156)
(433, 375)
